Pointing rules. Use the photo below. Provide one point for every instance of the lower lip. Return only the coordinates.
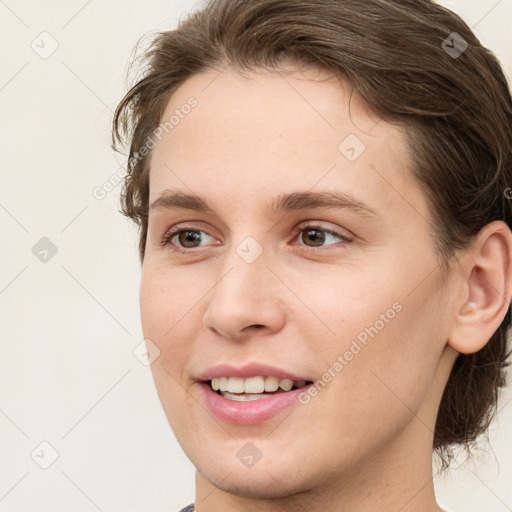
(250, 412)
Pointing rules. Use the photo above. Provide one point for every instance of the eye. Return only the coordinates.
(318, 235)
(187, 237)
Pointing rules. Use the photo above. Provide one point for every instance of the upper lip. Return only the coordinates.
(247, 370)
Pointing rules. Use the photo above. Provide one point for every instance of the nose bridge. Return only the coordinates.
(245, 259)
(244, 281)
(245, 293)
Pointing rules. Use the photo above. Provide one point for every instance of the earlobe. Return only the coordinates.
(487, 275)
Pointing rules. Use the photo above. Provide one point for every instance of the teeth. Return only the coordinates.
(221, 382)
(286, 384)
(271, 383)
(244, 397)
(235, 385)
(254, 385)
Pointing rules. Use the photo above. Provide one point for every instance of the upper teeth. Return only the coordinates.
(254, 384)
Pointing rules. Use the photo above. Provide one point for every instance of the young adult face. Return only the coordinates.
(246, 287)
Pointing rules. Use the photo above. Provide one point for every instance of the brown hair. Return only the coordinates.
(405, 61)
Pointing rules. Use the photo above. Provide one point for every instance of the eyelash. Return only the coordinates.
(169, 235)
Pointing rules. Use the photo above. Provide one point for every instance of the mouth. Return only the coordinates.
(253, 388)
(252, 400)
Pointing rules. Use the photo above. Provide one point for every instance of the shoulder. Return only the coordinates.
(188, 508)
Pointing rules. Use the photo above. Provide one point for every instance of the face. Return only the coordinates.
(266, 279)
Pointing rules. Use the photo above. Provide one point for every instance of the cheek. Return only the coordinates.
(167, 316)
(388, 379)
(384, 354)
(164, 306)
(168, 303)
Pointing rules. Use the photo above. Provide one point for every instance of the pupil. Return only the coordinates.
(188, 236)
(319, 235)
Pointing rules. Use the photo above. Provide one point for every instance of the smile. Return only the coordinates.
(254, 406)
(253, 388)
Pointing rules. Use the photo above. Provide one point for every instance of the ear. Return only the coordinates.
(486, 273)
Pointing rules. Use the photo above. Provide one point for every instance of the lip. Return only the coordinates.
(248, 370)
(251, 412)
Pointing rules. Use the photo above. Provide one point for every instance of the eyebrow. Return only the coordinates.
(285, 202)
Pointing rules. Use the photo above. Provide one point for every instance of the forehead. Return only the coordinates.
(268, 133)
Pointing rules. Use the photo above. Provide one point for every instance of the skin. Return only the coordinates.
(364, 443)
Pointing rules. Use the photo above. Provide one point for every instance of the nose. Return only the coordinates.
(246, 298)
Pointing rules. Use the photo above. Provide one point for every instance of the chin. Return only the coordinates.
(265, 482)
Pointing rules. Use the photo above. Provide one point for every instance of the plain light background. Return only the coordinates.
(69, 324)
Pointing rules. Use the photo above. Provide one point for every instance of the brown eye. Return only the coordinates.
(316, 236)
(188, 238)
